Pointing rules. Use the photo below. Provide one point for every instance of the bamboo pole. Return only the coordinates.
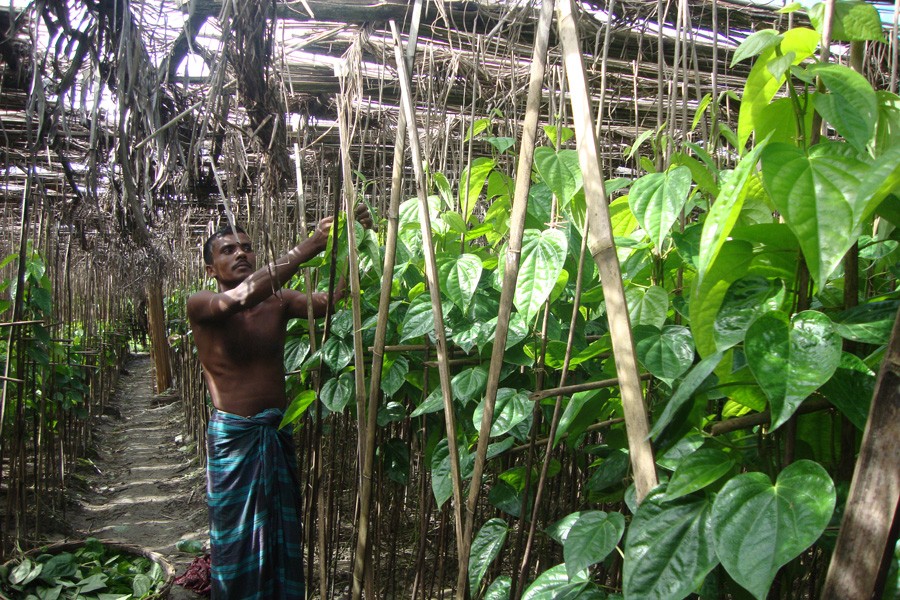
(510, 275)
(390, 251)
(603, 249)
(434, 288)
(874, 492)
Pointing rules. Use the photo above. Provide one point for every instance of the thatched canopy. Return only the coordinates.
(126, 122)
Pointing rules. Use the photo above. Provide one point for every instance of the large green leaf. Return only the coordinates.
(560, 171)
(499, 589)
(850, 389)
(555, 584)
(693, 380)
(759, 526)
(708, 293)
(726, 209)
(393, 375)
(668, 548)
(336, 353)
(825, 196)
(510, 409)
(850, 104)
(647, 305)
(297, 407)
(573, 409)
(762, 86)
(469, 383)
(657, 200)
(756, 44)
(852, 21)
(869, 323)
(591, 538)
(485, 547)
(433, 403)
(666, 353)
(791, 358)
(459, 278)
(419, 319)
(441, 480)
(746, 299)
(543, 255)
(471, 182)
(336, 392)
(698, 470)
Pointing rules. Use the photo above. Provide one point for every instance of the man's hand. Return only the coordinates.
(363, 216)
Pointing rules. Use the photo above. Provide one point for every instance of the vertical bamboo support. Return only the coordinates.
(159, 343)
(510, 273)
(384, 302)
(874, 492)
(603, 249)
(434, 288)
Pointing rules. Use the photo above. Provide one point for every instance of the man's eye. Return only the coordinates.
(248, 248)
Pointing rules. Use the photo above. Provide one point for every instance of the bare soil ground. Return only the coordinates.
(145, 486)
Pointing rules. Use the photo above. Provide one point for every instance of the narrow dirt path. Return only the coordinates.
(146, 486)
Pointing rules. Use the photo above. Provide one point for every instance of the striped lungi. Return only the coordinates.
(254, 508)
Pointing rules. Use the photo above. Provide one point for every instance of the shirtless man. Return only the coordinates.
(252, 487)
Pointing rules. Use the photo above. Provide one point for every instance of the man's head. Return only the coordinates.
(229, 257)
(218, 233)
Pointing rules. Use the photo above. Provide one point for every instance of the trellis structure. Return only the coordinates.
(131, 129)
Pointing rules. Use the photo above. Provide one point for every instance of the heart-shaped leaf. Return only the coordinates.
(869, 323)
(746, 299)
(657, 200)
(543, 255)
(851, 388)
(336, 353)
(471, 182)
(647, 305)
(755, 44)
(759, 527)
(669, 548)
(469, 383)
(485, 547)
(419, 319)
(336, 392)
(666, 353)
(555, 583)
(560, 171)
(510, 409)
(693, 380)
(459, 278)
(394, 375)
(791, 358)
(850, 104)
(591, 538)
(698, 470)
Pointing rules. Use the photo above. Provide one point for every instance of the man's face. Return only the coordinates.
(233, 260)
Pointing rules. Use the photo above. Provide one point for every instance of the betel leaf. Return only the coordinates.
(759, 527)
(395, 457)
(297, 407)
(755, 44)
(667, 353)
(459, 278)
(543, 255)
(471, 182)
(724, 212)
(761, 86)
(850, 389)
(791, 358)
(707, 294)
(441, 480)
(510, 409)
(746, 299)
(485, 547)
(419, 319)
(697, 470)
(611, 472)
(560, 171)
(691, 382)
(852, 21)
(869, 323)
(555, 583)
(591, 538)
(336, 353)
(499, 589)
(337, 391)
(468, 384)
(647, 305)
(657, 200)
(394, 375)
(850, 105)
(669, 547)
(559, 531)
(433, 403)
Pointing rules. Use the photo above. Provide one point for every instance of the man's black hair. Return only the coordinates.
(220, 232)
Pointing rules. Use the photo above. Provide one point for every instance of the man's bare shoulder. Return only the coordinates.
(204, 304)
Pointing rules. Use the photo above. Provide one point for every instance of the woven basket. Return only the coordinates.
(167, 568)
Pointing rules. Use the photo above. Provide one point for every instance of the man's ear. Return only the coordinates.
(210, 272)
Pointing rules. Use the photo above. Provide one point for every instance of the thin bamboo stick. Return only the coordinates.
(510, 276)
(434, 288)
(603, 249)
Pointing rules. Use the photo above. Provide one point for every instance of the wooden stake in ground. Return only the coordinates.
(603, 249)
(874, 491)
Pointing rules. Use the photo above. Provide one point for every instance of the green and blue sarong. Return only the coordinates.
(254, 501)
